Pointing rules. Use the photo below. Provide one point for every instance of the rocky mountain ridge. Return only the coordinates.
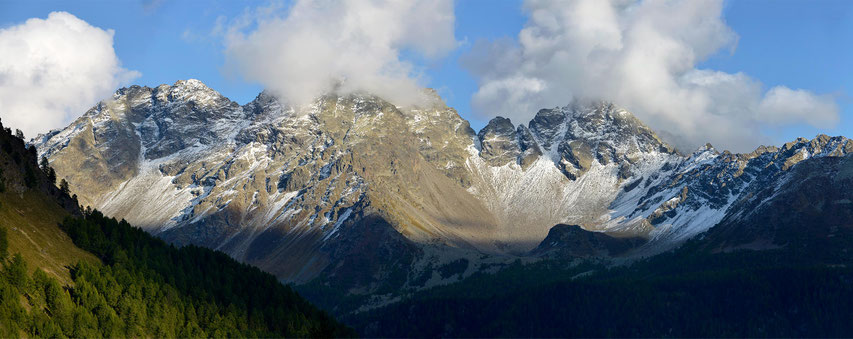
(294, 190)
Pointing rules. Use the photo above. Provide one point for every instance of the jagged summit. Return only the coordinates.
(583, 131)
(182, 90)
(598, 121)
(572, 136)
(499, 142)
(192, 84)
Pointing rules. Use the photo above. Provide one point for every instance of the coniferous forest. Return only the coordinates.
(146, 288)
(679, 294)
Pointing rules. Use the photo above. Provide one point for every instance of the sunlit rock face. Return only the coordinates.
(501, 143)
(307, 192)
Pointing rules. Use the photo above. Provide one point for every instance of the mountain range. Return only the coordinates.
(373, 201)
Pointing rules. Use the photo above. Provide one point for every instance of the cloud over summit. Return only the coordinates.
(315, 47)
(642, 55)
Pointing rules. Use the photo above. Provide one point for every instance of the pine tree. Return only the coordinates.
(45, 165)
(48, 171)
(30, 178)
(16, 271)
(4, 243)
(63, 186)
(19, 134)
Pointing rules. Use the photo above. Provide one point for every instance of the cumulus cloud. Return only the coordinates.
(782, 105)
(52, 70)
(318, 46)
(642, 55)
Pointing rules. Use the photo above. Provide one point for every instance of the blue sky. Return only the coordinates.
(800, 44)
(804, 44)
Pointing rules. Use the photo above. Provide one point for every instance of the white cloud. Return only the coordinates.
(315, 47)
(643, 55)
(782, 105)
(51, 70)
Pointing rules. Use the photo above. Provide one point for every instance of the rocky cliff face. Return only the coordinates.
(807, 210)
(294, 190)
(688, 198)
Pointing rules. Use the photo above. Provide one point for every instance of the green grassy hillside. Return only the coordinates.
(31, 221)
(31, 208)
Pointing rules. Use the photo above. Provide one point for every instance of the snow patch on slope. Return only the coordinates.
(527, 203)
(148, 200)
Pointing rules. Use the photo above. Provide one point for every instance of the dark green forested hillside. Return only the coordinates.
(746, 294)
(104, 278)
(187, 291)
